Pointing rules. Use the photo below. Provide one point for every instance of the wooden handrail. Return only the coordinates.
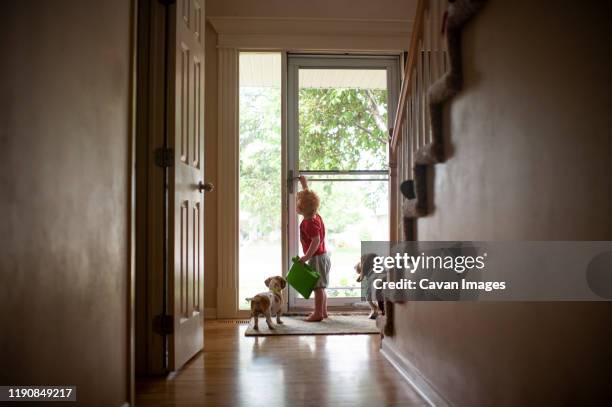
(432, 77)
(417, 33)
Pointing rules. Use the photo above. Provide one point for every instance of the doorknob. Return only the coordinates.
(206, 187)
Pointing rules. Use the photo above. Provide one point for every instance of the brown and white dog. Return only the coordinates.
(364, 270)
(269, 303)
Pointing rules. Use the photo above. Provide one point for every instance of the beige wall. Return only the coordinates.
(366, 9)
(531, 160)
(64, 138)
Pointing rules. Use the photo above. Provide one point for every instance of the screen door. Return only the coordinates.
(339, 113)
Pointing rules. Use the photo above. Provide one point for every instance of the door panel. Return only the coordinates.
(186, 133)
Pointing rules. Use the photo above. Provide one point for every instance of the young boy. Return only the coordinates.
(312, 237)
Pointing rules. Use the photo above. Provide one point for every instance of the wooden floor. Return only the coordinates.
(341, 370)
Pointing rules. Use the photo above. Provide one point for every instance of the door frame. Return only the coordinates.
(294, 62)
(132, 211)
(149, 195)
(304, 35)
(228, 270)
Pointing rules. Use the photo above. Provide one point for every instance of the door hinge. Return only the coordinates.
(164, 157)
(163, 324)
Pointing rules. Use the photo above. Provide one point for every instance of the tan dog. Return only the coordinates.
(364, 267)
(269, 303)
(364, 270)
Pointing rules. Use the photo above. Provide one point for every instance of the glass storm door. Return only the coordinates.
(338, 116)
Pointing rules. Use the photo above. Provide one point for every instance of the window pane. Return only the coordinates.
(260, 172)
(343, 119)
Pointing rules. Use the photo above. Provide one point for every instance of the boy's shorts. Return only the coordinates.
(321, 264)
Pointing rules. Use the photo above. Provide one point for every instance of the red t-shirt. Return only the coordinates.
(309, 228)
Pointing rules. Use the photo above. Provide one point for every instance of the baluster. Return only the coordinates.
(417, 93)
(402, 163)
(427, 72)
(416, 108)
(444, 44)
(407, 151)
(413, 120)
(421, 83)
(435, 34)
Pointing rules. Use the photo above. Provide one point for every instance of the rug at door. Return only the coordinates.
(334, 325)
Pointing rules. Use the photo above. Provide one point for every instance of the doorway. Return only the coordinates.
(339, 110)
(335, 132)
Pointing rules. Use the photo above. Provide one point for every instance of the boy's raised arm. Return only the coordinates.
(303, 182)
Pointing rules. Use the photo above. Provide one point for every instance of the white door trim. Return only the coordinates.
(320, 34)
(227, 188)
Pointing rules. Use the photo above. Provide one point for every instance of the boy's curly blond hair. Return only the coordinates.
(308, 202)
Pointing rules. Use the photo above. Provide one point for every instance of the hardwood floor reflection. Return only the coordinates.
(318, 370)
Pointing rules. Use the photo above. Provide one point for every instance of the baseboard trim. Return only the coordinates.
(210, 313)
(413, 376)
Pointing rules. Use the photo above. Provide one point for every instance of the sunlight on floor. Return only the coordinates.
(277, 371)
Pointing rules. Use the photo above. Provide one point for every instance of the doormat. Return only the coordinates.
(305, 313)
(334, 325)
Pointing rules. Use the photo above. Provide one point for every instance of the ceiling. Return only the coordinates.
(264, 70)
(348, 9)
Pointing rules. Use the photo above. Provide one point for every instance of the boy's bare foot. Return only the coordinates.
(313, 318)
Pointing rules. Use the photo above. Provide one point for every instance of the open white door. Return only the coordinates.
(185, 176)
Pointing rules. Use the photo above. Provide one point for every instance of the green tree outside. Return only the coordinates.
(340, 129)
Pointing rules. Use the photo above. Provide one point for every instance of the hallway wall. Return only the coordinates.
(530, 160)
(64, 142)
